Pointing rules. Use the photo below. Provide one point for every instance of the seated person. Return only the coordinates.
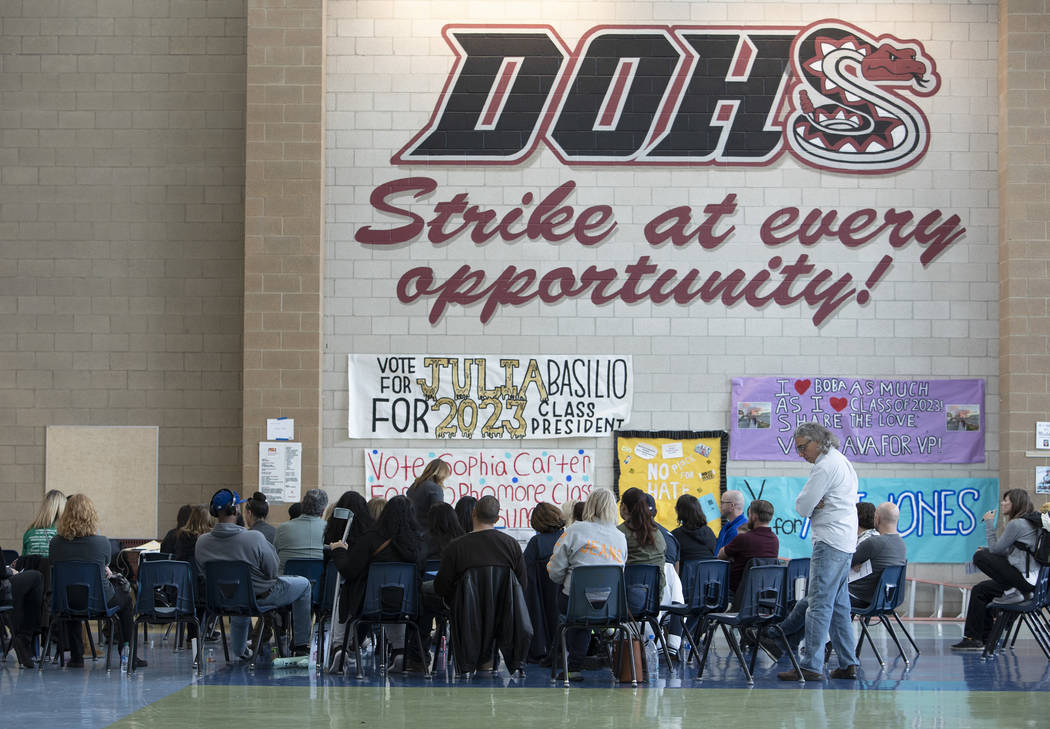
(593, 540)
(362, 520)
(37, 538)
(672, 551)
(547, 520)
(443, 528)
(24, 591)
(758, 541)
(865, 529)
(255, 512)
(694, 536)
(732, 517)
(228, 541)
(303, 536)
(482, 547)
(78, 540)
(428, 490)
(199, 522)
(396, 537)
(1012, 574)
(883, 549)
(645, 543)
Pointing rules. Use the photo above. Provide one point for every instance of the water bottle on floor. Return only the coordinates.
(124, 651)
(652, 659)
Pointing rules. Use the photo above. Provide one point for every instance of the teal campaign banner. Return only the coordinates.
(940, 517)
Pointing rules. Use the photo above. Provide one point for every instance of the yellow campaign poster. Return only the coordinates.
(668, 464)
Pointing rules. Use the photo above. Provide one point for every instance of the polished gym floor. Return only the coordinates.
(938, 689)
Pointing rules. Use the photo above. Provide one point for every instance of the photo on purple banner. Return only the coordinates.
(876, 420)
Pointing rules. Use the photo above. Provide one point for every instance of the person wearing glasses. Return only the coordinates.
(732, 518)
(829, 500)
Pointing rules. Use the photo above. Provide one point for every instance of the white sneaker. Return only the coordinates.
(1010, 597)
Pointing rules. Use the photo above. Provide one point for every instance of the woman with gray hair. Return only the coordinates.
(303, 536)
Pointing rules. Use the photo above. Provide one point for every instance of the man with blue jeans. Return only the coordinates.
(230, 542)
(829, 499)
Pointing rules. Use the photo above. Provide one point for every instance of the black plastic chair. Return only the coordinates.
(705, 583)
(391, 598)
(1030, 612)
(889, 593)
(7, 633)
(77, 595)
(324, 610)
(796, 586)
(761, 604)
(173, 582)
(597, 599)
(642, 583)
(10, 555)
(155, 557)
(228, 592)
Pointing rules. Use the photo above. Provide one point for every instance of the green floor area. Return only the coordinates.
(460, 707)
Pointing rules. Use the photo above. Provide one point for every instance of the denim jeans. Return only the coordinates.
(828, 609)
(288, 590)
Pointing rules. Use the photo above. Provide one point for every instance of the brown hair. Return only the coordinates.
(79, 519)
(198, 522)
(639, 519)
(762, 511)
(546, 518)
(437, 471)
(1020, 502)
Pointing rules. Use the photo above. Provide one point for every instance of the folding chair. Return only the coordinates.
(77, 595)
(888, 596)
(1030, 612)
(761, 603)
(642, 584)
(597, 599)
(796, 586)
(705, 583)
(173, 581)
(7, 633)
(228, 592)
(155, 557)
(391, 598)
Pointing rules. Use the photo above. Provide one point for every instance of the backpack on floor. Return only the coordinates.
(1040, 551)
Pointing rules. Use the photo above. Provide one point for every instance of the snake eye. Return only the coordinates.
(893, 57)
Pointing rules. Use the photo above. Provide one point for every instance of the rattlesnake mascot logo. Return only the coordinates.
(850, 112)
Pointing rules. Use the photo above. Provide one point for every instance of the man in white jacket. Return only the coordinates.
(829, 499)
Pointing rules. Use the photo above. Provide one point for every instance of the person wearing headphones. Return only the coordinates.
(228, 541)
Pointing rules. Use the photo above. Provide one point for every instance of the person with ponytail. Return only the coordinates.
(255, 512)
(645, 543)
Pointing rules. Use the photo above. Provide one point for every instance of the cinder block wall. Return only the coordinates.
(121, 236)
(1024, 253)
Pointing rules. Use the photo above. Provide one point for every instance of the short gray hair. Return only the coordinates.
(817, 432)
(314, 501)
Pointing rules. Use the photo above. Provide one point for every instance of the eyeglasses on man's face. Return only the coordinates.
(800, 448)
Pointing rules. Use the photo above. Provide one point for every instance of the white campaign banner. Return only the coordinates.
(520, 479)
(488, 396)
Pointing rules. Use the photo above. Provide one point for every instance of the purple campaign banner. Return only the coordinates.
(877, 420)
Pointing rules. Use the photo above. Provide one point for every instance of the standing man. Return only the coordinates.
(732, 518)
(829, 500)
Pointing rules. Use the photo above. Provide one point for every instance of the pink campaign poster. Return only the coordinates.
(877, 420)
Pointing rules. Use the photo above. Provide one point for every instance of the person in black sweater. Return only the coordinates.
(395, 538)
(27, 599)
(485, 546)
(167, 544)
(442, 528)
(694, 536)
(428, 490)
